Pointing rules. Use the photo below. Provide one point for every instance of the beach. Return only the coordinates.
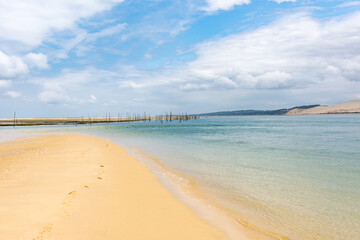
(82, 187)
(255, 177)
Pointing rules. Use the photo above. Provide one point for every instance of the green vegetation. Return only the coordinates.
(252, 112)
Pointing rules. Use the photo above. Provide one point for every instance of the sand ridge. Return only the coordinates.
(341, 108)
(81, 187)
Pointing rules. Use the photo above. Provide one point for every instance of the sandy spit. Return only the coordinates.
(341, 108)
(81, 187)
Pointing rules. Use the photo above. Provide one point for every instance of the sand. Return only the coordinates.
(341, 108)
(81, 187)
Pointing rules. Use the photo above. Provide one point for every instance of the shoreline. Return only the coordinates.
(12, 122)
(105, 193)
(179, 153)
(58, 121)
(185, 189)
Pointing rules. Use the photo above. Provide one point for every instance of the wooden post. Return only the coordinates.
(14, 118)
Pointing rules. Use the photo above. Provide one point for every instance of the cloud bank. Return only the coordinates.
(296, 52)
(166, 54)
(25, 25)
(30, 22)
(66, 88)
(293, 52)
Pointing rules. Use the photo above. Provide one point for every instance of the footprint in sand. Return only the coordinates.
(45, 232)
(99, 178)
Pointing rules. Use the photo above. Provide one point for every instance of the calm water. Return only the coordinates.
(294, 175)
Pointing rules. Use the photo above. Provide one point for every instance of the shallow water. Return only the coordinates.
(293, 175)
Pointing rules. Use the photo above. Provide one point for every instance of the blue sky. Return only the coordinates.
(74, 58)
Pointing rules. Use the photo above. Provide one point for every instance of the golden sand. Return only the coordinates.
(341, 108)
(81, 187)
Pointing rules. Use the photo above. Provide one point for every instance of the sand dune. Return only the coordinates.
(341, 108)
(81, 187)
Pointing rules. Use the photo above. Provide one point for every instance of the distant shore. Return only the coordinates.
(64, 120)
(90, 120)
(352, 107)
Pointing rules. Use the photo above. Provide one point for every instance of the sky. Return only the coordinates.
(86, 57)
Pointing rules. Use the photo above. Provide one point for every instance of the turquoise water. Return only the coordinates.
(298, 176)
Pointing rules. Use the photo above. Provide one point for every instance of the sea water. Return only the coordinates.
(296, 176)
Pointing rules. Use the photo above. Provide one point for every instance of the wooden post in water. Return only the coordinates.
(14, 118)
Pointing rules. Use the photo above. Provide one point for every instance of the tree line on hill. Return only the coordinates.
(252, 112)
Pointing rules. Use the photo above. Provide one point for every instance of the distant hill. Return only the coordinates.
(252, 112)
(352, 107)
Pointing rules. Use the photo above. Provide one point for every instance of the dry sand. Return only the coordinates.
(81, 187)
(341, 108)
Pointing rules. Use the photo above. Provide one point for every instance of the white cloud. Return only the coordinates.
(295, 52)
(13, 94)
(106, 32)
(71, 86)
(194, 87)
(314, 60)
(30, 22)
(15, 66)
(12, 66)
(92, 99)
(5, 83)
(275, 79)
(215, 5)
(181, 26)
(158, 31)
(54, 97)
(38, 60)
(281, 1)
(349, 4)
(292, 52)
(81, 40)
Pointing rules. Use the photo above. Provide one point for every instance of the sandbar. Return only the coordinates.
(82, 187)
